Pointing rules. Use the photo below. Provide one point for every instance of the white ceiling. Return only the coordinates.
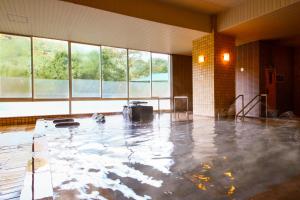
(281, 24)
(206, 6)
(67, 21)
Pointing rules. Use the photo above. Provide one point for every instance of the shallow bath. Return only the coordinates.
(167, 159)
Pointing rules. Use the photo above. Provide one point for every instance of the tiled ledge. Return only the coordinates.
(32, 119)
(38, 183)
(6, 121)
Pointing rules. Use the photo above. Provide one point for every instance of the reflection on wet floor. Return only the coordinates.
(171, 159)
(15, 152)
(287, 190)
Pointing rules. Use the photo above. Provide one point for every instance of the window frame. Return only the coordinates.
(11, 99)
(33, 72)
(150, 74)
(71, 75)
(102, 74)
(169, 76)
(71, 98)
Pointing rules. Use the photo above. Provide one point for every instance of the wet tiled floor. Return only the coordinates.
(166, 159)
(15, 152)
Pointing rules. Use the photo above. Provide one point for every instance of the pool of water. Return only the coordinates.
(171, 159)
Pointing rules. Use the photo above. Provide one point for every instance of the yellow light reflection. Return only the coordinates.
(229, 174)
(38, 163)
(231, 190)
(201, 186)
(206, 166)
(202, 177)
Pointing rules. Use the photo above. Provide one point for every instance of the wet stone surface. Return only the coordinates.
(167, 159)
(15, 154)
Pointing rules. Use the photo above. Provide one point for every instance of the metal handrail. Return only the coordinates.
(158, 103)
(236, 98)
(244, 107)
(251, 107)
(252, 100)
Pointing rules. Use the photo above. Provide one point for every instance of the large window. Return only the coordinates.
(160, 75)
(139, 73)
(51, 74)
(35, 77)
(86, 70)
(15, 66)
(114, 66)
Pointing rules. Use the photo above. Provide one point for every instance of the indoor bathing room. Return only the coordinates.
(149, 100)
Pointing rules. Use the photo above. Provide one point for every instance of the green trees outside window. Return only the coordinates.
(139, 73)
(102, 72)
(160, 75)
(15, 66)
(51, 74)
(114, 66)
(86, 70)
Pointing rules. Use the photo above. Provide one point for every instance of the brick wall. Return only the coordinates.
(224, 75)
(203, 76)
(213, 80)
(32, 119)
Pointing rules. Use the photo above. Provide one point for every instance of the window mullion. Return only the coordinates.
(32, 69)
(70, 77)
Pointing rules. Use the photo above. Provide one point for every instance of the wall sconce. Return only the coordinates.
(226, 57)
(242, 69)
(201, 59)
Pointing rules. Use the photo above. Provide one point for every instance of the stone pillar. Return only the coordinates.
(213, 79)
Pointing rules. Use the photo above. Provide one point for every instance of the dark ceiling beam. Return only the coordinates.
(153, 10)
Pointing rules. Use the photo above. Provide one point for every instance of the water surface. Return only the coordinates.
(167, 159)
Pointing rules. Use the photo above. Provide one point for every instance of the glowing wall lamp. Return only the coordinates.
(201, 59)
(226, 57)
